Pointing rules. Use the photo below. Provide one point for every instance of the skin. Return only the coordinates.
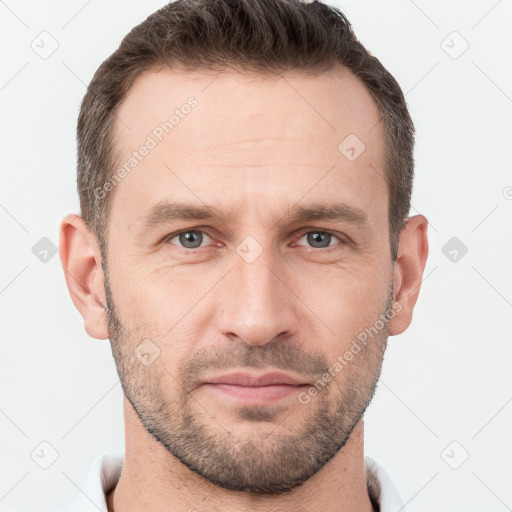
(259, 147)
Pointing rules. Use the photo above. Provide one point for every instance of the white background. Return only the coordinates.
(446, 379)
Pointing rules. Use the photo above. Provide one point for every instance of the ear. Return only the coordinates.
(408, 271)
(81, 260)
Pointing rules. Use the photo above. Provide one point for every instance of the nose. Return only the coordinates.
(257, 305)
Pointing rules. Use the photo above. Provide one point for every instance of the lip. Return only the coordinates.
(254, 390)
(246, 379)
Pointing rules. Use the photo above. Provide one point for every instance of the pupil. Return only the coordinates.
(190, 237)
(317, 238)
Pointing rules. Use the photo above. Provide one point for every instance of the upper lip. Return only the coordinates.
(246, 379)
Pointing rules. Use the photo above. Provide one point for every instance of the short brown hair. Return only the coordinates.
(263, 36)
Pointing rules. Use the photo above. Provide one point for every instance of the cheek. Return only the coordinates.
(346, 301)
(157, 297)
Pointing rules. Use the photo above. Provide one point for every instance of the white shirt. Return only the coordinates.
(106, 470)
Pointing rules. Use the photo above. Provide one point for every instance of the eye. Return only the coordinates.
(320, 239)
(193, 239)
(190, 239)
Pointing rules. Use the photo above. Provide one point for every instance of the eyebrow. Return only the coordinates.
(166, 212)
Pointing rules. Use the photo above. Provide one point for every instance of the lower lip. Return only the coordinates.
(255, 395)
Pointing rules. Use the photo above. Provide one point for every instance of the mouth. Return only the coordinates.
(249, 389)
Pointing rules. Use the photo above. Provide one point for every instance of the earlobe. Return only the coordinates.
(408, 271)
(81, 262)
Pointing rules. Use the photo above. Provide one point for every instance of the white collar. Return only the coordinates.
(106, 470)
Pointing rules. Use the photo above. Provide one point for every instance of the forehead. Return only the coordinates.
(335, 102)
(233, 134)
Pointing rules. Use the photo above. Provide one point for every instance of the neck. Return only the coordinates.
(153, 479)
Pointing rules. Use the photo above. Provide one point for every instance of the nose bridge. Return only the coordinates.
(257, 305)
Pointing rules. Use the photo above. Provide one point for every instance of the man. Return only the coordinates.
(245, 172)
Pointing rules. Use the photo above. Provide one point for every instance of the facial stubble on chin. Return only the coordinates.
(268, 463)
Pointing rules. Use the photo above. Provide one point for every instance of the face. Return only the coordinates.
(242, 243)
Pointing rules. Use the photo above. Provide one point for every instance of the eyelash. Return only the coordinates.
(344, 240)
